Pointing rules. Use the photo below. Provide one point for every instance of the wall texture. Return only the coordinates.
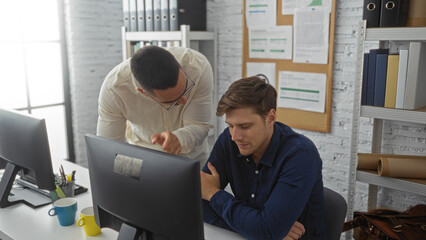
(93, 29)
(94, 47)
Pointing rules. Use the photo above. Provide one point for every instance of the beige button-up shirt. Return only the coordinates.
(127, 115)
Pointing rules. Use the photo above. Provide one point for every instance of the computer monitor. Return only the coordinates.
(24, 148)
(144, 193)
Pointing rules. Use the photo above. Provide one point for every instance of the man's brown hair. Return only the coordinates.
(252, 92)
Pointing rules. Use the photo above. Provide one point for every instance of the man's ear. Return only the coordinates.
(142, 91)
(272, 116)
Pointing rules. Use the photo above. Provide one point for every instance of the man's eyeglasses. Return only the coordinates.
(189, 85)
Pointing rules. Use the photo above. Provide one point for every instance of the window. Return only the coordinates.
(32, 66)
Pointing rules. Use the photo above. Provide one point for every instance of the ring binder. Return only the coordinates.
(371, 12)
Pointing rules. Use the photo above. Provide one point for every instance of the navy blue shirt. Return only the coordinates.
(284, 187)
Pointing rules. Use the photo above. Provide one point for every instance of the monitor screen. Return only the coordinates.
(24, 148)
(139, 191)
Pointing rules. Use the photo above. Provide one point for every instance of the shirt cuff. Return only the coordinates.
(217, 201)
(183, 140)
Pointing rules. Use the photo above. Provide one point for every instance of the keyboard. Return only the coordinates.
(28, 184)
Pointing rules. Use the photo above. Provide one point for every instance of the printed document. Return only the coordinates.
(311, 29)
(267, 69)
(261, 13)
(301, 90)
(274, 42)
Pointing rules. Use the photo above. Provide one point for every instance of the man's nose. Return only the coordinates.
(236, 135)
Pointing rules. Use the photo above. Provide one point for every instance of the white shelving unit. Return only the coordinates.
(184, 38)
(379, 114)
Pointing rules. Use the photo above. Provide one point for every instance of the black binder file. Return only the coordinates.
(393, 13)
(371, 12)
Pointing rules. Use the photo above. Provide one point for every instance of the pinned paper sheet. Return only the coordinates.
(311, 29)
(262, 13)
(274, 42)
(303, 91)
(288, 6)
(267, 69)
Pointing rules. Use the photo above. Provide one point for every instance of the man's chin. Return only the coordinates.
(245, 152)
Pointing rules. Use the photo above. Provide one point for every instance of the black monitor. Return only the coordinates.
(24, 148)
(144, 193)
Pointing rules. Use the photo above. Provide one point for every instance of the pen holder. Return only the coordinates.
(68, 189)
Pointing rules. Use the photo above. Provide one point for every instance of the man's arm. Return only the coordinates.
(111, 122)
(280, 211)
(197, 114)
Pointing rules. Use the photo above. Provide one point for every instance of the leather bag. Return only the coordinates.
(379, 224)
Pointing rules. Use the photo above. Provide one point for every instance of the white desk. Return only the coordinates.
(23, 222)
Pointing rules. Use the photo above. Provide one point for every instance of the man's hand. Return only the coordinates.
(168, 141)
(296, 231)
(210, 184)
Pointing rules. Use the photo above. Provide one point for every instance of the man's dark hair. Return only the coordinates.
(155, 68)
(252, 92)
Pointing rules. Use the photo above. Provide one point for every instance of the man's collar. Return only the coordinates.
(268, 156)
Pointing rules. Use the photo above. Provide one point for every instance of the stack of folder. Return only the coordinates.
(385, 13)
(163, 15)
(395, 80)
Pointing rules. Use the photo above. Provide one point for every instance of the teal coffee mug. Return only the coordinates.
(65, 209)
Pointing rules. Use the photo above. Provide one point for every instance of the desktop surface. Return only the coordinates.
(23, 222)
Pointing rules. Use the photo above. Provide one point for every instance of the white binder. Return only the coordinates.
(126, 14)
(165, 15)
(173, 15)
(149, 15)
(140, 7)
(133, 17)
(157, 15)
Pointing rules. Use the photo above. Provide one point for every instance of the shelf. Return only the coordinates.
(396, 34)
(167, 36)
(414, 116)
(417, 186)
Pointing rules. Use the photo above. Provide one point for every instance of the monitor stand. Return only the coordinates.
(130, 233)
(9, 196)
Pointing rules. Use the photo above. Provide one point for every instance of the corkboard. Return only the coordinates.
(313, 121)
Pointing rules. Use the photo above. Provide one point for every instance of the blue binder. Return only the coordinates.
(372, 74)
(364, 80)
(380, 79)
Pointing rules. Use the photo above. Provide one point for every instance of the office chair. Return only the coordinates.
(335, 213)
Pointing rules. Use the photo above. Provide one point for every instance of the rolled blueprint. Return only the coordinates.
(402, 167)
(369, 161)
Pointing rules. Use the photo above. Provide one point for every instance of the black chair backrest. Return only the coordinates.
(335, 213)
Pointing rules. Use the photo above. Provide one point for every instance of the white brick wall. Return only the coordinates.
(93, 29)
(94, 48)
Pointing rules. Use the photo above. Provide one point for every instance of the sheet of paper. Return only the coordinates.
(301, 90)
(267, 69)
(274, 42)
(311, 29)
(261, 13)
(288, 6)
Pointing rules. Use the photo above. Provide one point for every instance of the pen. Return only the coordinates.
(61, 170)
(73, 175)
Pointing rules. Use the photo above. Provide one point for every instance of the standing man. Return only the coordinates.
(160, 99)
(274, 172)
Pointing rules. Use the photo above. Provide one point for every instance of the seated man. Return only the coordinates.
(160, 99)
(274, 172)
